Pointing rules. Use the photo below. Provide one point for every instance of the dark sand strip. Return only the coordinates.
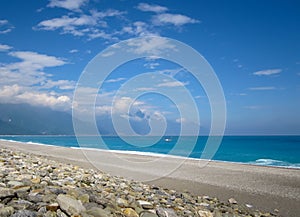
(265, 188)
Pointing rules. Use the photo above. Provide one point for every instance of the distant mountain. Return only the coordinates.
(26, 119)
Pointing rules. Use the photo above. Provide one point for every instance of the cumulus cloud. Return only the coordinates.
(137, 28)
(173, 19)
(268, 72)
(17, 94)
(73, 5)
(151, 8)
(26, 82)
(81, 25)
(4, 47)
(150, 45)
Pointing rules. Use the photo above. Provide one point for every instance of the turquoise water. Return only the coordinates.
(283, 151)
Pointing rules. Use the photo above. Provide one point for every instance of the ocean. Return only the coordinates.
(278, 151)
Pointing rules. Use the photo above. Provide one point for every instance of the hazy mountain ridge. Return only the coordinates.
(25, 119)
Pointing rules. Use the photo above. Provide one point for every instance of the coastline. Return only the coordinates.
(266, 188)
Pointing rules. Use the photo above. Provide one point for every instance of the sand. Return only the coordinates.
(266, 188)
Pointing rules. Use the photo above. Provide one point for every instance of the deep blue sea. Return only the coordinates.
(280, 151)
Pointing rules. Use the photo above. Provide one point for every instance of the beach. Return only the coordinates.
(273, 190)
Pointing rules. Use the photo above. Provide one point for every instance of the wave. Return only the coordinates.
(276, 163)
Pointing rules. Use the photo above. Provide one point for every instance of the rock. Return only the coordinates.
(145, 204)
(121, 202)
(14, 184)
(36, 180)
(24, 213)
(84, 198)
(52, 207)
(147, 214)
(163, 212)
(204, 204)
(50, 214)
(49, 198)
(97, 212)
(249, 206)
(60, 213)
(70, 205)
(129, 212)
(6, 192)
(203, 213)
(6, 211)
(232, 201)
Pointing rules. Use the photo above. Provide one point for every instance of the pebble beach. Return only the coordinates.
(32, 185)
(40, 180)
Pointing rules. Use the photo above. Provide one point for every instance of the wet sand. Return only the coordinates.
(266, 188)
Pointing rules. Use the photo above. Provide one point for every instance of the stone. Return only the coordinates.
(6, 211)
(6, 192)
(70, 205)
(203, 213)
(50, 214)
(129, 212)
(60, 213)
(121, 202)
(232, 201)
(97, 212)
(145, 204)
(147, 214)
(52, 207)
(24, 213)
(36, 180)
(165, 212)
(14, 184)
(84, 198)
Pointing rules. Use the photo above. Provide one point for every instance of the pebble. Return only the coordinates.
(34, 186)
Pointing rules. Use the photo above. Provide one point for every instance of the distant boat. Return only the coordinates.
(168, 139)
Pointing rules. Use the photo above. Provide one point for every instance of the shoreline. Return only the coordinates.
(266, 188)
(152, 154)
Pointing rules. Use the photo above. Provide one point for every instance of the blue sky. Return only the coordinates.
(253, 47)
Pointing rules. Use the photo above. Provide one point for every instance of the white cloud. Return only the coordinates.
(115, 80)
(268, 72)
(67, 23)
(172, 84)
(17, 94)
(61, 84)
(174, 19)
(151, 65)
(107, 13)
(150, 45)
(5, 27)
(36, 60)
(25, 81)
(82, 25)
(145, 89)
(73, 5)
(74, 51)
(4, 47)
(262, 88)
(151, 8)
(137, 28)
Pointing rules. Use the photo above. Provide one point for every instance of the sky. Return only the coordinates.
(253, 47)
